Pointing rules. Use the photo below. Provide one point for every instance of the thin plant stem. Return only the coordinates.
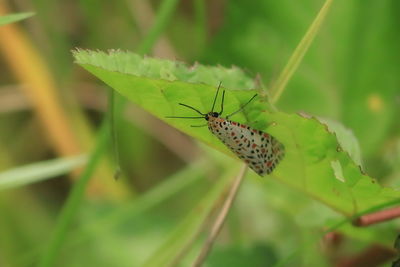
(357, 215)
(113, 124)
(221, 217)
(377, 217)
(280, 84)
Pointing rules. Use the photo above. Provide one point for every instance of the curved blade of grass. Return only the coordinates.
(315, 162)
(14, 17)
(185, 233)
(36, 172)
(298, 54)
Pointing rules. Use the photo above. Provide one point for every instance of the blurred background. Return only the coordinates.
(51, 108)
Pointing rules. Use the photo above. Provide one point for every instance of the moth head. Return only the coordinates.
(212, 114)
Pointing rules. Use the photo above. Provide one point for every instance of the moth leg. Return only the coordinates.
(203, 125)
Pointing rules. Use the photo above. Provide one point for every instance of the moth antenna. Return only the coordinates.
(222, 102)
(216, 96)
(192, 108)
(175, 117)
(241, 107)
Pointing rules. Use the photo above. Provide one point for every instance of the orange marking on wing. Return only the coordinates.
(243, 126)
(253, 145)
(269, 163)
(266, 135)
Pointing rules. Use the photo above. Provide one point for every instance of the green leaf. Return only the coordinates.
(40, 171)
(314, 163)
(346, 138)
(14, 17)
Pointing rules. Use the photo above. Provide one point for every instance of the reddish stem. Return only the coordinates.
(377, 217)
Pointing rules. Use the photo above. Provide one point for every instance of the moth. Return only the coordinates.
(259, 150)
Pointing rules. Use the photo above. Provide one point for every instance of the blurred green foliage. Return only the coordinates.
(349, 75)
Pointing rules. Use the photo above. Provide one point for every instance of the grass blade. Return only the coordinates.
(40, 171)
(298, 54)
(14, 17)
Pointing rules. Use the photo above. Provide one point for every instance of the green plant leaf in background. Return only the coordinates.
(314, 163)
(14, 17)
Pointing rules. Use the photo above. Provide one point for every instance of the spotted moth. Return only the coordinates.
(261, 151)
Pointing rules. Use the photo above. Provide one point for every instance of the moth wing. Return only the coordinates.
(259, 150)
